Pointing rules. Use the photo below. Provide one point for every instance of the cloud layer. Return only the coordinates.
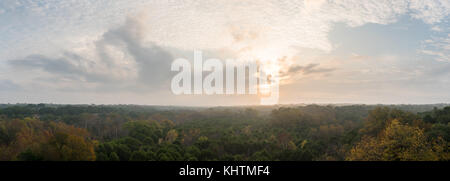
(127, 46)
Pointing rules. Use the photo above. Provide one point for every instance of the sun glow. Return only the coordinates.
(271, 61)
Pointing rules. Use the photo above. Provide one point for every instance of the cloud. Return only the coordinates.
(438, 47)
(430, 11)
(204, 24)
(153, 62)
(68, 66)
(92, 47)
(48, 26)
(143, 65)
(312, 68)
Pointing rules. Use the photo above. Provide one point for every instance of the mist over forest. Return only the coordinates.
(52, 132)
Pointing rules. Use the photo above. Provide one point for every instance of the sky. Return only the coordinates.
(120, 52)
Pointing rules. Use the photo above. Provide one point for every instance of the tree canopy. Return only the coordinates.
(138, 133)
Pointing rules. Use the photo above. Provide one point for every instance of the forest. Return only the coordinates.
(50, 132)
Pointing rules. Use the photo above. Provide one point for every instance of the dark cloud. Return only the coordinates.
(308, 69)
(153, 62)
(67, 66)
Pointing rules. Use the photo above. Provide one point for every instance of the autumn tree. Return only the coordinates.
(398, 142)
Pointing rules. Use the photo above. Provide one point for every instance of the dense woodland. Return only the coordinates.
(42, 132)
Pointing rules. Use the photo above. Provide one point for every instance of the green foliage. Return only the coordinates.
(140, 133)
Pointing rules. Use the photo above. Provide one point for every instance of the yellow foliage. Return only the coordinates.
(171, 136)
(398, 142)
